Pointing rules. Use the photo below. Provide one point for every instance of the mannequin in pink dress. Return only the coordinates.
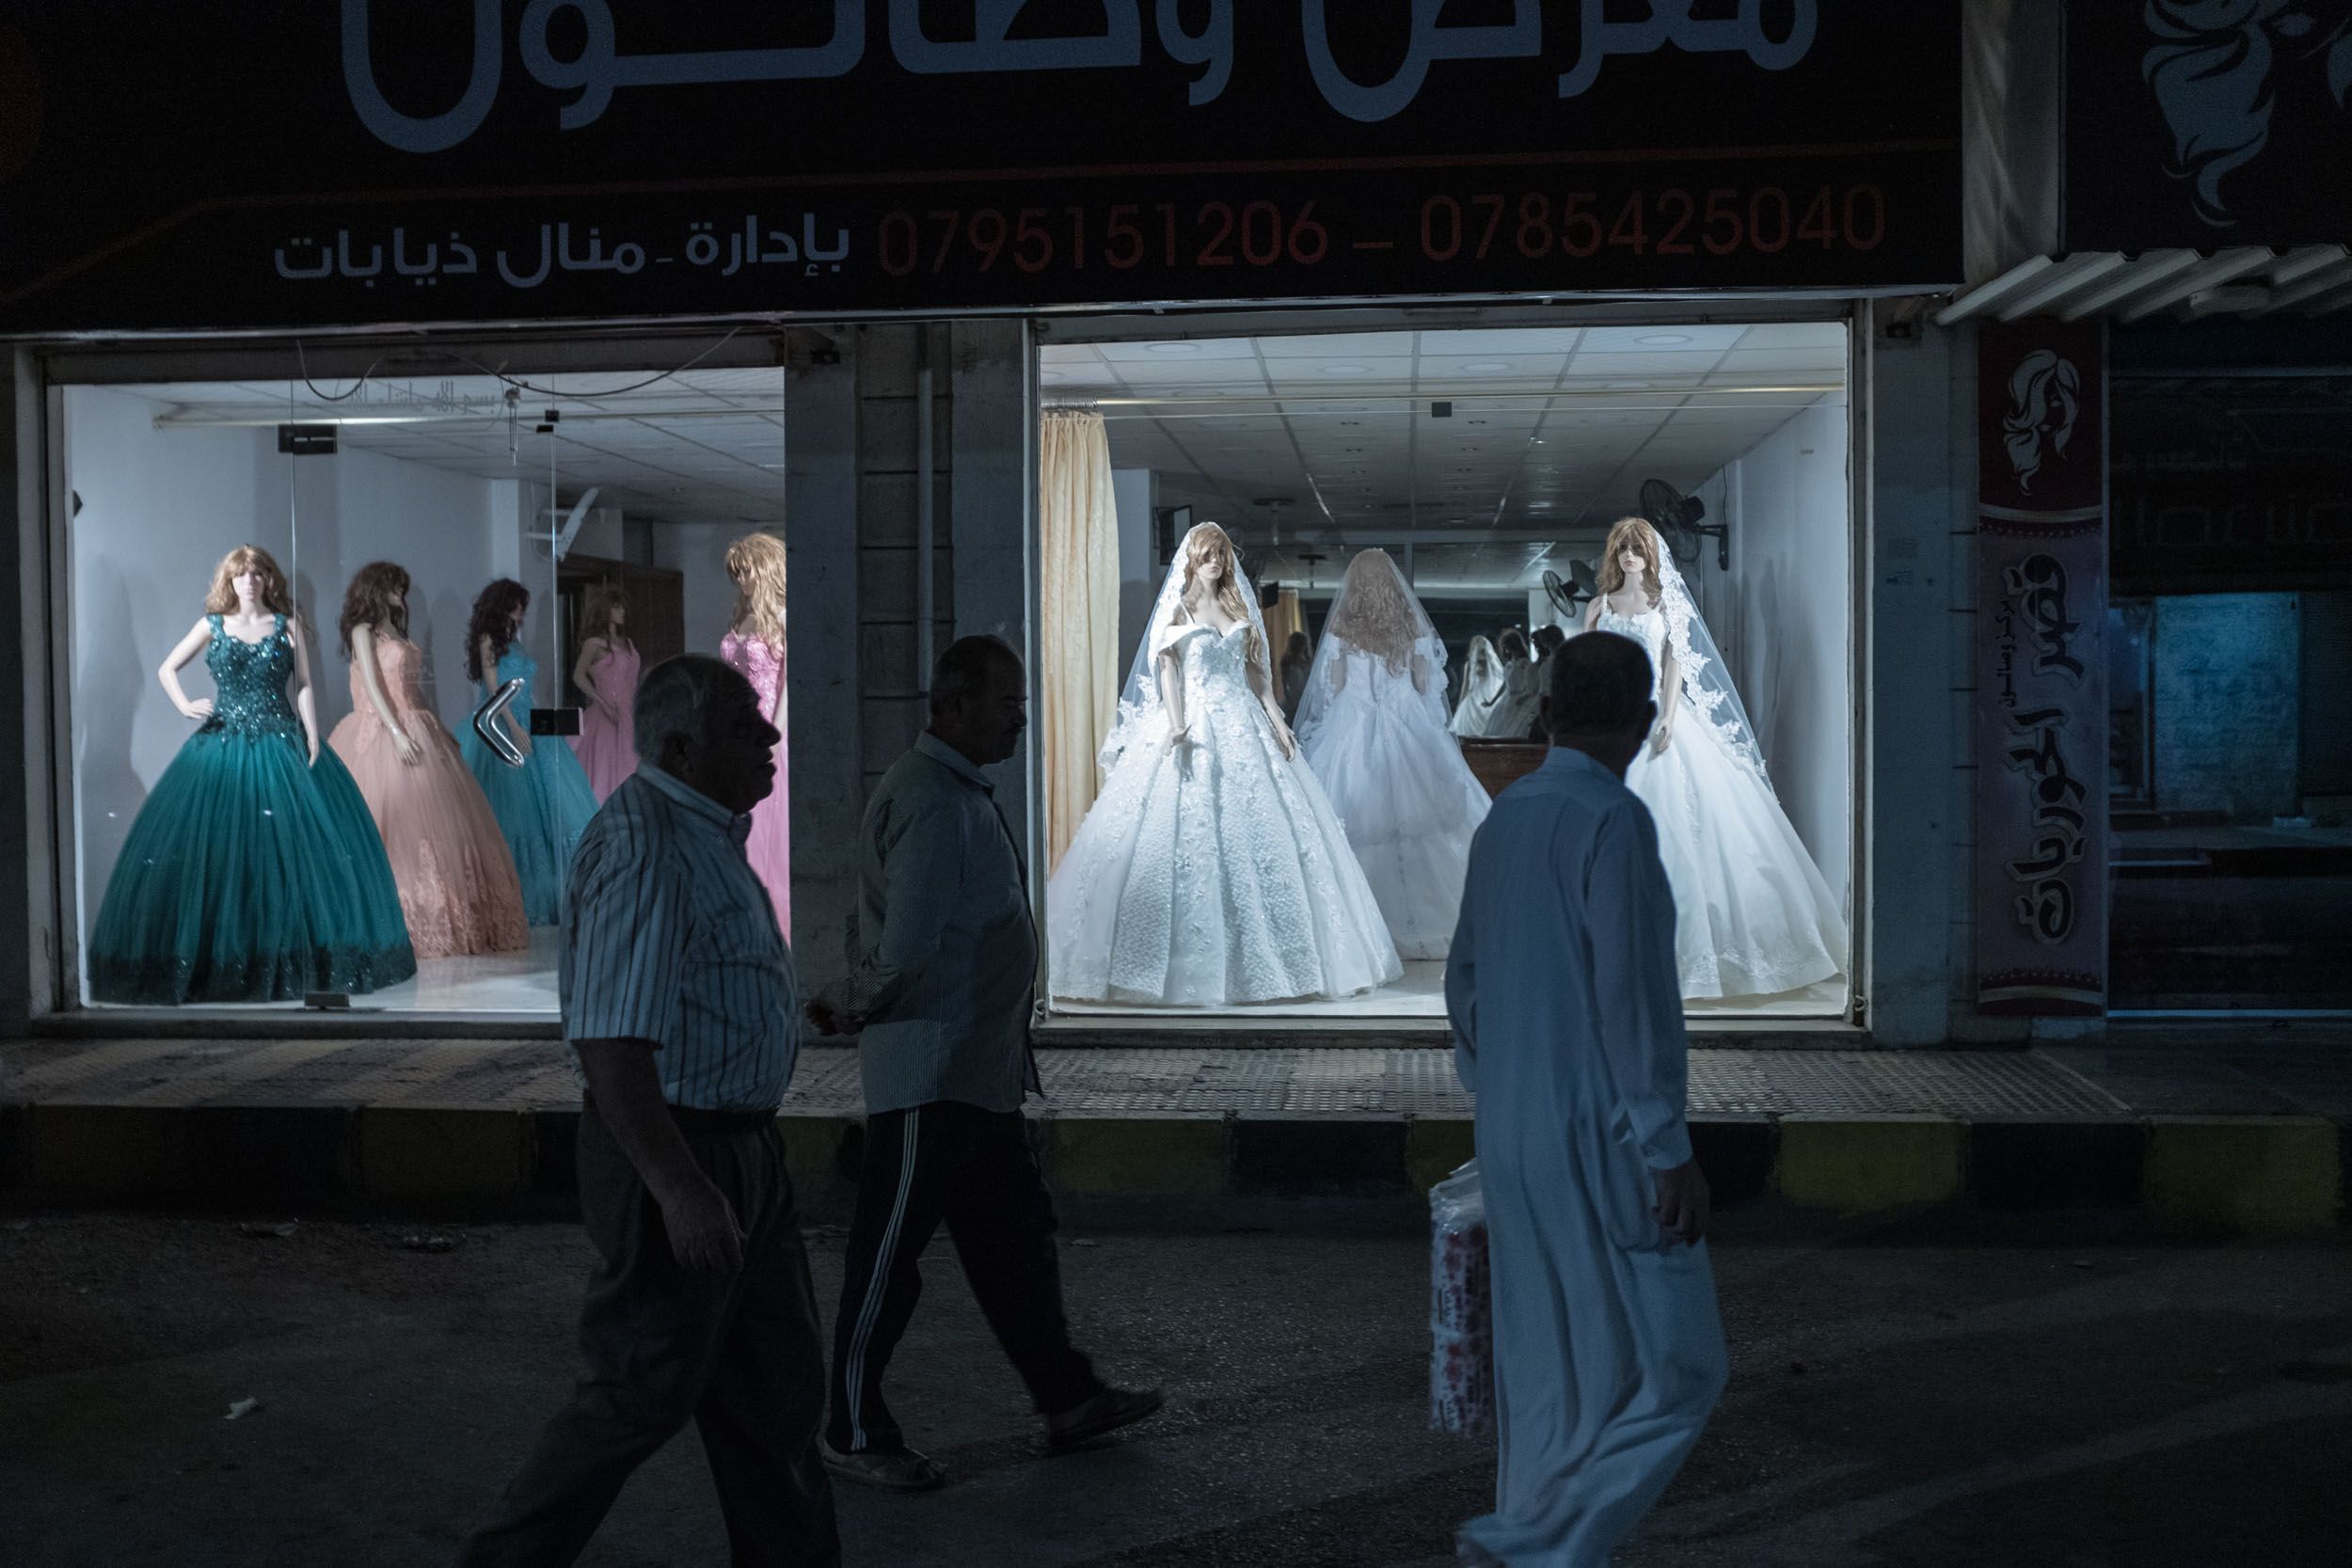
(606, 673)
(754, 645)
(457, 883)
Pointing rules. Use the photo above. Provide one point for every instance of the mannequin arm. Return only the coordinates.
(1592, 613)
(1171, 682)
(1669, 691)
(1335, 675)
(372, 682)
(593, 653)
(182, 652)
(1263, 683)
(306, 701)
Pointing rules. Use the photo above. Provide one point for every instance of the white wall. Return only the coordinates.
(699, 552)
(159, 508)
(1784, 619)
(1138, 577)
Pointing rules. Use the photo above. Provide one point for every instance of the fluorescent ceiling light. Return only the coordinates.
(1347, 369)
(1632, 386)
(1487, 367)
(1663, 340)
(1172, 348)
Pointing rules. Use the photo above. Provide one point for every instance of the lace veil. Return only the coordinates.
(1707, 687)
(1374, 612)
(1141, 715)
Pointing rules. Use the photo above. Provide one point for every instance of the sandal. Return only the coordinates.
(892, 1469)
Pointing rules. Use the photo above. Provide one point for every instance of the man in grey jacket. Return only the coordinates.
(941, 991)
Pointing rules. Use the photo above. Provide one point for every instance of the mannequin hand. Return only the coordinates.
(1660, 739)
(406, 744)
(611, 712)
(1282, 736)
(199, 710)
(314, 751)
(1179, 735)
(522, 741)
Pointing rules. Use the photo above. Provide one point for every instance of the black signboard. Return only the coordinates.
(2208, 123)
(172, 165)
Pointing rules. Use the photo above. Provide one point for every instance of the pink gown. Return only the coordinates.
(456, 877)
(770, 849)
(607, 748)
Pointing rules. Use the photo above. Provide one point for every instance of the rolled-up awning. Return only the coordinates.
(2246, 281)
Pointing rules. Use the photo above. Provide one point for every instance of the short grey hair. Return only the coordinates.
(676, 697)
(962, 670)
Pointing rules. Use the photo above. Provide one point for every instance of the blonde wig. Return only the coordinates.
(1631, 533)
(1210, 542)
(1373, 612)
(221, 598)
(756, 563)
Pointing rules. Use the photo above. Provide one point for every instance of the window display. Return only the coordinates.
(1211, 870)
(1753, 916)
(1373, 722)
(459, 887)
(254, 872)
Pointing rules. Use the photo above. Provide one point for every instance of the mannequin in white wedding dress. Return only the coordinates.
(1753, 916)
(1372, 724)
(1482, 684)
(1211, 870)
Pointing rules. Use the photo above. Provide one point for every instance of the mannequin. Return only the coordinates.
(543, 805)
(1482, 686)
(754, 645)
(1372, 719)
(254, 872)
(1211, 870)
(606, 673)
(459, 887)
(1753, 916)
(1513, 715)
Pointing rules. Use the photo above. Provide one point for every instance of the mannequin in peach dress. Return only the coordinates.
(606, 673)
(754, 645)
(456, 877)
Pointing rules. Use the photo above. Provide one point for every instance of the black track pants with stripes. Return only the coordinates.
(972, 1169)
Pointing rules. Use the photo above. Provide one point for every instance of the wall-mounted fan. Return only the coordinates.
(1675, 517)
(1565, 596)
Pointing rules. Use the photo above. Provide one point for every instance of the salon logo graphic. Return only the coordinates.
(2045, 400)
(2217, 67)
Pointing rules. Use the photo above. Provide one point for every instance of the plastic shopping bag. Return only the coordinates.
(1461, 1315)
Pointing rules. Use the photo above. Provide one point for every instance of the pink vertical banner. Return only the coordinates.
(2041, 690)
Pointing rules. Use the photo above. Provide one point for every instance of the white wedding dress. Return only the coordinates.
(1214, 872)
(1753, 914)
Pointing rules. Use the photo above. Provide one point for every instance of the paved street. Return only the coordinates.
(1987, 1395)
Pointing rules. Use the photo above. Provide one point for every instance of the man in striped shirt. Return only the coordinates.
(679, 1003)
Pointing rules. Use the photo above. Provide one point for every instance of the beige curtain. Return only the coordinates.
(1079, 619)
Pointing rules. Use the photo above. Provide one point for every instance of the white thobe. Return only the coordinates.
(1568, 1019)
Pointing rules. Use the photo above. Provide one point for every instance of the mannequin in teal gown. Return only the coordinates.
(542, 807)
(252, 873)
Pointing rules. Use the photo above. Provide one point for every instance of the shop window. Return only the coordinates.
(469, 571)
(1467, 480)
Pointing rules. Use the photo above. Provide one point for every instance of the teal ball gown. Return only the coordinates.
(542, 807)
(250, 875)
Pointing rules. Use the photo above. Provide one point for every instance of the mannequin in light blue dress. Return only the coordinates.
(543, 805)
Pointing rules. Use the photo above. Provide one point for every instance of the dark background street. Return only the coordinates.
(1946, 1391)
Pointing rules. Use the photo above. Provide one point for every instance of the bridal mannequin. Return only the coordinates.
(1211, 870)
(1753, 916)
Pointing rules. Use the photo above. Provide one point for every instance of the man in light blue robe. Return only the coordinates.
(1567, 1021)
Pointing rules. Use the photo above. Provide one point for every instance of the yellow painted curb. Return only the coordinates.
(103, 1149)
(1889, 1161)
(1434, 1145)
(2266, 1173)
(422, 1153)
(1137, 1156)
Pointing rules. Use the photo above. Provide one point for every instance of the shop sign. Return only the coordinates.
(2208, 123)
(166, 164)
(2040, 746)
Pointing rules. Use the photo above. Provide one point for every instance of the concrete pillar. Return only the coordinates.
(995, 458)
(821, 552)
(1911, 411)
(30, 629)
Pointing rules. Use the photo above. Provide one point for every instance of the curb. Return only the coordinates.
(2244, 1175)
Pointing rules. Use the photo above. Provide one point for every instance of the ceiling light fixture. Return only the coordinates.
(1487, 367)
(1663, 340)
(1347, 369)
(1172, 348)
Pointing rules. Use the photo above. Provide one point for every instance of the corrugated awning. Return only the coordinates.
(2248, 281)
